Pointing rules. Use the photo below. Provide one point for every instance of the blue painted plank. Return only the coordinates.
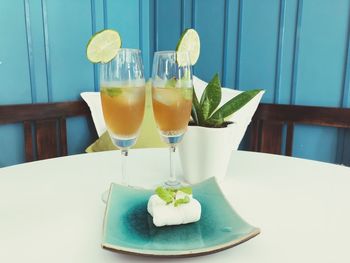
(145, 36)
(298, 24)
(315, 143)
(186, 14)
(231, 43)
(79, 135)
(14, 60)
(238, 43)
(287, 52)
(259, 40)
(322, 52)
(224, 43)
(11, 144)
(168, 21)
(124, 17)
(319, 79)
(346, 85)
(97, 12)
(68, 28)
(97, 24)
(34, 17)
(280, 44)
(152, 32)
(212, 37)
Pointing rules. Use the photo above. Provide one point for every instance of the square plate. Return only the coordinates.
(128, 228)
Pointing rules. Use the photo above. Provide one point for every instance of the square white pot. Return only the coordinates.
(206, 152)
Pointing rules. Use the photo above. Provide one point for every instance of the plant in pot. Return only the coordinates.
(211, 136)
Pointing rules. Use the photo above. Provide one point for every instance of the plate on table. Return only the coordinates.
(128, 228)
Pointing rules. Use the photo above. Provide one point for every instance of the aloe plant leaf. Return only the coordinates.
(235, 104)
(196, 112)
(211, 97)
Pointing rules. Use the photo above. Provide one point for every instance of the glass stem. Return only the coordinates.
(124, 154)
(172, 178)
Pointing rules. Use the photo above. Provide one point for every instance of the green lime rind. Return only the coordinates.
(103, 46)
(189, 41)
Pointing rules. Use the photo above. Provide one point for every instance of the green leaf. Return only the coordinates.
(186, 190)
(215, 122)
(211, 97)
(165, 194)
(182, 201)
(196, 112)
(172, 192)
(234, 104)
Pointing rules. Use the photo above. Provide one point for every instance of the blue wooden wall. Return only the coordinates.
(297, 50)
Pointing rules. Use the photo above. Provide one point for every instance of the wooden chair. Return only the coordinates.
(44, 125)
(269, 120)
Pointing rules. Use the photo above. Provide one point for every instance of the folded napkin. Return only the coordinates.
(166, 215)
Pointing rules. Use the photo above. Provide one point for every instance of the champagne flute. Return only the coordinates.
(172, 92)
(122, 90)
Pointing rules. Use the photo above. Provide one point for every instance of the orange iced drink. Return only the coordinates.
(172, 109)
(123, 109)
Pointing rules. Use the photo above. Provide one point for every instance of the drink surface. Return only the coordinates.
(123, 109)
(172, 109)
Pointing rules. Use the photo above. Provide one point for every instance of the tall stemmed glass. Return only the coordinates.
(172, 92)
(122, 89)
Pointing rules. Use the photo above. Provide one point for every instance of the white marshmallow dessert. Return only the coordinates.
(173, 207)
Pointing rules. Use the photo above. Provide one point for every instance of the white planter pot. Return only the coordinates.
(205, 152)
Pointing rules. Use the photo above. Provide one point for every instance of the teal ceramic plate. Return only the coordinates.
(128, 228)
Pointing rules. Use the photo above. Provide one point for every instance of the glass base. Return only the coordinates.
(171, 139)
(173, 184)
(123, 143)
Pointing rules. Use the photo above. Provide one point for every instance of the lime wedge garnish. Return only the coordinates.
(189, 41)
(103, 46)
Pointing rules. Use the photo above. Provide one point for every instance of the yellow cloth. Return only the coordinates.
(149, 136)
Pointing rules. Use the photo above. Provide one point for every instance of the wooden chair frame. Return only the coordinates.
(44, 124)
(269, 120)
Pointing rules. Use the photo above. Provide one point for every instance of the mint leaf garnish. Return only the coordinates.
(165, 194)
(168, 195)
(172, 192)
(182, 201)
(186, 190)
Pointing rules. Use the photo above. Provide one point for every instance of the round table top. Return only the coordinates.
(51, 211)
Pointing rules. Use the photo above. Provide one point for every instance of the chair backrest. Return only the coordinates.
(44, 124)
(269, 120)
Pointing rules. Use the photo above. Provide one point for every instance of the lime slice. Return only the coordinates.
(103, 46)
(189, 41)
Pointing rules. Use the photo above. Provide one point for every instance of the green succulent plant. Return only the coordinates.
(206, 112)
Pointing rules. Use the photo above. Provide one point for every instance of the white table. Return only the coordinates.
(51, 211)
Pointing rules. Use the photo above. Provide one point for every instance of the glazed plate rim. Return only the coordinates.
(175, 253)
